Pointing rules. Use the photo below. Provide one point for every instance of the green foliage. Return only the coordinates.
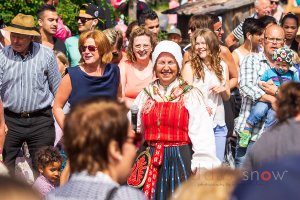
(162, 35)
(9, 9)
(67, 10)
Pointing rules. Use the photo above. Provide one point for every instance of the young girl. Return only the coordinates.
(208, 73)
(62, 62)
(49, 163)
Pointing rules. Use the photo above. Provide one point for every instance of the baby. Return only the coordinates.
(281, 73)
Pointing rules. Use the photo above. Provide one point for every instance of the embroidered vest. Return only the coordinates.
(165, 121)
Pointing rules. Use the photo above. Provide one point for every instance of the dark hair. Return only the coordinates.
(213, 19)
(266, 20)
(130, 27)
(47, 155)
(290, 16)
(147, 14)
(43, 8)
(199, 22)
(288, 101)
(89, 128)
(252, 26)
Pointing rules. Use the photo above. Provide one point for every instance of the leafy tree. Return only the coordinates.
(67, 9)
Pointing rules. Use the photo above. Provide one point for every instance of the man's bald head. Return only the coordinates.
(274, 38)
(274, 28)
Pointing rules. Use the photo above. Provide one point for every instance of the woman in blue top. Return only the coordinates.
(93, 77)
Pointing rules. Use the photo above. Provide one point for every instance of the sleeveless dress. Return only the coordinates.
(85, 87)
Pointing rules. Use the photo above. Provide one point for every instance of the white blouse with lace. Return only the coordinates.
(212, 100)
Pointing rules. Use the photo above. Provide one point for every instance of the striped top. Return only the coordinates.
(28, 83)
(238, 31)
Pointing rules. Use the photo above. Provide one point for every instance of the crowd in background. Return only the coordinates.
(120, 114)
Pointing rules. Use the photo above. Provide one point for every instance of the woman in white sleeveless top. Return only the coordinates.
(209, 73)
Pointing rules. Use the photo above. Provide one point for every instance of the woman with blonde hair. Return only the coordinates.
(62, 62)
(137, 69)
(115, 39)
(207, 72)
(94, 77)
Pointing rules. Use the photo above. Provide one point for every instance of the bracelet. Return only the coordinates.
(276, 93)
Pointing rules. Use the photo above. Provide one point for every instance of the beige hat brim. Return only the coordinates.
(21, 31)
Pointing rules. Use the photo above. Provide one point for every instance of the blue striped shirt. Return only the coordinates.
(28, 83)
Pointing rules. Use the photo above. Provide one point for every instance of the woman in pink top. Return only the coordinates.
(137, 70)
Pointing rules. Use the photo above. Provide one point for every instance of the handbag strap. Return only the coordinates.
(111, 193)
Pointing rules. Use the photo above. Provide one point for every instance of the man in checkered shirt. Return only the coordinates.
(252, 68)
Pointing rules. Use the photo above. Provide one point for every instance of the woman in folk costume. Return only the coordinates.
(177, 129)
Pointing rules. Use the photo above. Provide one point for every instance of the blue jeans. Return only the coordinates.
(258, 111)
(220, 139)
(241, 152)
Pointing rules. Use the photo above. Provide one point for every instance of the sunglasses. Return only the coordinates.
(136, 140)
(83, 19)
(115, 54)
(91, 48)
(276, 2)
(192, 29)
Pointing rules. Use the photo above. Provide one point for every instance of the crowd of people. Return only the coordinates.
(119, 114)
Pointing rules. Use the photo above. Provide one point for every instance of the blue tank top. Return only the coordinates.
(85, 87)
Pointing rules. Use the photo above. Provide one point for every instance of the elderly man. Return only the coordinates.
(251, 69)
(87, 20)
(29, 78)
(262, 8)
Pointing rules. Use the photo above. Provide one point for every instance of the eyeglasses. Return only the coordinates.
(83, 19)
(275, 40)
(136, 139)
(276, 2)
(91, 48)
(139, 46)
(115, 54)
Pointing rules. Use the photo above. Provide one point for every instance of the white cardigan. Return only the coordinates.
(200, 126)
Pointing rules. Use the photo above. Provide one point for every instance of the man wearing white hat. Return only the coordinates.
(29, 78)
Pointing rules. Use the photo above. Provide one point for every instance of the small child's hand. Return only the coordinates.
(270, 82)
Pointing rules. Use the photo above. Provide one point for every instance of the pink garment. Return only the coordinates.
(117, 3)
(63, 32)
(42, 185)
(133, 84)
(173, 17)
